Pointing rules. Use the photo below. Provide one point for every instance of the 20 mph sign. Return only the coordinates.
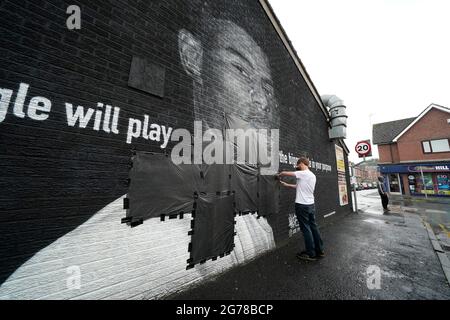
(363, 148)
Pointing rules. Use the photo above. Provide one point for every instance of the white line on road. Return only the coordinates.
(410, 209)
(330, 214)
(434, 211)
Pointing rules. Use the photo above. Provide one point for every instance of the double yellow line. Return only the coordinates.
(444, 229)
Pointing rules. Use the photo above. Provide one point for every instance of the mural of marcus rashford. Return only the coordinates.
(230, 75)
(242, 79)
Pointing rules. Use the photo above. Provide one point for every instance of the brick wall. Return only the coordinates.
(388, 153)
(431, 126)
(63, 182)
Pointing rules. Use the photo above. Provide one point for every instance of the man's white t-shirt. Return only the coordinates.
(306, 182)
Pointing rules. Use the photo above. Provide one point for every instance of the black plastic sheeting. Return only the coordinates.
(244, 182)
(159, 187)
(213, 231)
(268, 195)
(251, 142)
(213, 193)
(213, 178)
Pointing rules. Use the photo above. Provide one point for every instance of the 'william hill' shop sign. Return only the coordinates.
(416, 168)
(429, 168)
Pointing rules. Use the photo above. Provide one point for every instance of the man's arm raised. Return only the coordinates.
(287, 174)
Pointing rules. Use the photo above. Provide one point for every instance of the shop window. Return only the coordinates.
(412, 183)
(439, 145)
(443, 184)
(394, 183)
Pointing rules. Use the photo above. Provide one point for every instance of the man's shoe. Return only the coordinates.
(305, 256)
(320, 254)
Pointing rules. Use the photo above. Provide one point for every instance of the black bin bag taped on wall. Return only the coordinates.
(244, 182)
(213, 178)
(268, 195)
(213, 232)
(158, 186)
(241, 140)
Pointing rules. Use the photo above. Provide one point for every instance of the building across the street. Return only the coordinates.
(366, 171)
(415, 152)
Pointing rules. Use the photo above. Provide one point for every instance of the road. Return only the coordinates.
(434, 212)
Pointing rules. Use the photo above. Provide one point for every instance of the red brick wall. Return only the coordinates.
(432, 126)
(388, 153)
(384, 154)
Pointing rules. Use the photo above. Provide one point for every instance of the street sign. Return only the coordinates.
(363, 148)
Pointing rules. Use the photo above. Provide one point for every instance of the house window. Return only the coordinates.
(439, 145)
(426, 146)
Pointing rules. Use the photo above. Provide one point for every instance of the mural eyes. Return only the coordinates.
(242, 71)
(268, 90)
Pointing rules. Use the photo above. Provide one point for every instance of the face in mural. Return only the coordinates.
(231, 75)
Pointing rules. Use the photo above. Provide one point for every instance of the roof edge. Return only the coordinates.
(420, 116)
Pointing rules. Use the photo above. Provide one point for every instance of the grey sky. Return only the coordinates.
(387, 60)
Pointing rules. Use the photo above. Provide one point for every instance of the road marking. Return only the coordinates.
(410, 209)
(330, 214)
(370, 220)
(434, 211)
(445, 230)
(379, 212)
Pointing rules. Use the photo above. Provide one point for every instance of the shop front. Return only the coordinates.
(418, 178)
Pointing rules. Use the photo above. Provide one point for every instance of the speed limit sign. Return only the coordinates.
(363, 148)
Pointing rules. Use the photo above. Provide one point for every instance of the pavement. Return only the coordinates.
(369, 255)
(434, 211)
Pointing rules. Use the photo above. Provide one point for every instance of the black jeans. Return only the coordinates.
(307, 220)
(384, 201)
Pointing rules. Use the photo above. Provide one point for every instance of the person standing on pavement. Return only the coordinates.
(383, 194)
(305, 208)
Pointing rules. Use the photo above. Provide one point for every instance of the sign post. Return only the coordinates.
(354, 182)
(363, 149)
(423, 183)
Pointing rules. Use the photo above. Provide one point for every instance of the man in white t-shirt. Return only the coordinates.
(305, 209)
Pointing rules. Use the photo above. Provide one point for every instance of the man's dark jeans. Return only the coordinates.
(384, 201)
(307, 220)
